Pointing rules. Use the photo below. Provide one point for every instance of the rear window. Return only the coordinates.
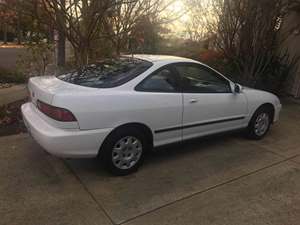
(107, 73)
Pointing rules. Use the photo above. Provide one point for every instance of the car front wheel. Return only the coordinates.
(260, 123)
(123, 151)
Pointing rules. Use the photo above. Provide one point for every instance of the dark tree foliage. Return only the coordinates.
(250, 37)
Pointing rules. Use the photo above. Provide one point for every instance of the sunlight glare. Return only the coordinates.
(179, 9)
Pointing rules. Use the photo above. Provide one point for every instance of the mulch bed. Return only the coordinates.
(11, 121)
(5, 85)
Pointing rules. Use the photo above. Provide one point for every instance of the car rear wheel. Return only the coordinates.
(123, 151)
(260, 123)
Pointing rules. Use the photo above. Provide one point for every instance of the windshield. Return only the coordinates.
(107, 73)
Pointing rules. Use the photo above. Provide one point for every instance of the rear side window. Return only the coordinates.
(107, 73)
(163, 80)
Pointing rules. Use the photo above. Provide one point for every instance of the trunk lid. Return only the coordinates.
(49, 89)
(44, 88)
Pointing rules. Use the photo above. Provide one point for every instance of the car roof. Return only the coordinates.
(161, 58)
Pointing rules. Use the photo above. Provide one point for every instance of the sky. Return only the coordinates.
(178, 9)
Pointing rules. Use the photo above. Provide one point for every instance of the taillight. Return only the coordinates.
(56, 113)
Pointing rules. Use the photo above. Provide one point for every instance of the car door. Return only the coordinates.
(163, 107)
(210, 106)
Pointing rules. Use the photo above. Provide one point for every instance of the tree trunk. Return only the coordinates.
(118, 47)
(61, 45)
(5, 33)
(82, 56)
(19, 32)
(61, 49)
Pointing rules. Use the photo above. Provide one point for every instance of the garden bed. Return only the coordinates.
(11, 121)
(6, 85)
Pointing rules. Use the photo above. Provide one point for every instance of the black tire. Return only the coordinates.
(106, 151)
(251, 131)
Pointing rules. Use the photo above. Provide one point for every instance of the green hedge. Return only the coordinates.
(12, 76)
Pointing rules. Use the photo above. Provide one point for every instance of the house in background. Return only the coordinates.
(292, 24)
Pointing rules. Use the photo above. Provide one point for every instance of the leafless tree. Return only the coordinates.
(85, 21)
(80, 21)
(203, 19)
(249, 34)
(126, 16)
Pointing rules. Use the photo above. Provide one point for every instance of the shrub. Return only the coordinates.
(217, 61)
(277, 73)
(12, 76)
(278, 68)
(39, 56)
(209, 56)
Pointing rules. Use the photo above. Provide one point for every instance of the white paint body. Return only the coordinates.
(100, 111)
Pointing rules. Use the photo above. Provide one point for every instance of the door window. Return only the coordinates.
(163, 80)
(199, 79)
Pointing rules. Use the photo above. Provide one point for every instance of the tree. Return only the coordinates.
(202, 18)
(26, 17)
(145, 35)
(127, 16)
(248, 33)
(79, 21)
(84, 22)
(61, 43)
(7, 16)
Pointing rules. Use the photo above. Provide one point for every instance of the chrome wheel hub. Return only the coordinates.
(127, 152)
(261, 124)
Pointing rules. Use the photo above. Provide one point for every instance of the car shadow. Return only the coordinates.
(158, 155)
(203, 144)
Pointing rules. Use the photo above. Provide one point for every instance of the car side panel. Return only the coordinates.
(212, 113)
(257, 98)
(115, 108)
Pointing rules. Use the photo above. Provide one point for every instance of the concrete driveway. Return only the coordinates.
(220, 180)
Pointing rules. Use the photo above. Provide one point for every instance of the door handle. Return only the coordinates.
(193, 101)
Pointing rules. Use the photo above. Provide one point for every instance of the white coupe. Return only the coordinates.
(120, 108)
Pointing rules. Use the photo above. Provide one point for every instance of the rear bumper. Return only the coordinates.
(59, 142)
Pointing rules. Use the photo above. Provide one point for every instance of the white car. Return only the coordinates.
(120, 108)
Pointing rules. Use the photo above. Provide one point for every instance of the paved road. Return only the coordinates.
(220, 180)
(9, 57)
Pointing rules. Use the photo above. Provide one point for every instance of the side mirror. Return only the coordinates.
(237, 88)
